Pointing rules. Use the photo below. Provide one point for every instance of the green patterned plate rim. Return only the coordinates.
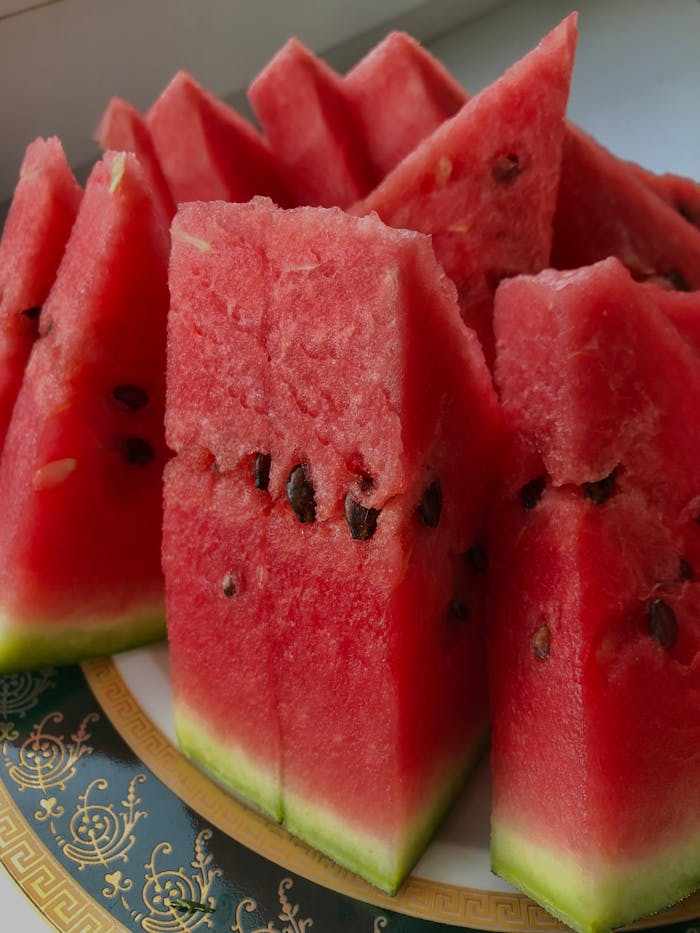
(106, 827)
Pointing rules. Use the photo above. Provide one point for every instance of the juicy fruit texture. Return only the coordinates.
(302, 107)
(623, 217)
(597, 545)
(683, 194)
(484, 183)
(81, 471)
(123, 128)
(399, 84)
(207, 150)
(38, 224)
(320, 563)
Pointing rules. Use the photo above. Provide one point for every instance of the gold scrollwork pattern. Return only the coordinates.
(99, 834)
(20, 693)
(289, 914)
(166, 888)
(47, 761)
(380, 923)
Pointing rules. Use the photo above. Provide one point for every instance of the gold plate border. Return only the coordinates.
(419, 897)
(56, 896)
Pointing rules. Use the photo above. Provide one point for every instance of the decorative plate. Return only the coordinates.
(107, 827)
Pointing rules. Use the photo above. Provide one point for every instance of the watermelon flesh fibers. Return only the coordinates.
(399, 84)
(596, 618)
(329, 586)
(484, 184)
(207, 150)
(123, 128)
(81, 472)
(38, 224)
(304, 110)
(624, 217)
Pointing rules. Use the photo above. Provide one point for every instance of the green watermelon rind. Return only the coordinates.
(32, 644)
(384, 864)
(231, 767)
(618, 893)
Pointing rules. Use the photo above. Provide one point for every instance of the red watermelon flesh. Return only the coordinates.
(207, 150)
(303, 108)
(123, 128)
(81, 473)
(484, 183)
(38, 224)
(401, 86)
(595, 619)
(681, 193)
(359, 414)
(604, 210)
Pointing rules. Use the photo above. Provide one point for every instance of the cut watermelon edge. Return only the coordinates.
(384, 863)
(594, 899)
(229, 765)
(31, 644)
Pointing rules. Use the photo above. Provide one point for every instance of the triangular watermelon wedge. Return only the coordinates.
(595, 626)
(683, 194)
(38, 224)
(81, 472)
(303, 108)
(122, 128)
(484, 183)
(207, 150)
(604, 209)
(399, 84)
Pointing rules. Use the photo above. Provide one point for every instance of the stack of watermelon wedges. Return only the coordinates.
(416, 376)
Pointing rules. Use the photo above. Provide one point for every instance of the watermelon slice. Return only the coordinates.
(484, 183)
(623, 217)
(81, 471)
(320, 557)
(401, 86)
(303, 109)
(123, 128)
(681, 193)
(38, 223)
(207, 150)
(596, 546)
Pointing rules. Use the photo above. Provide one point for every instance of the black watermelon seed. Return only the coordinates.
(229, 586)
(662, 623)
(301, 496)
(531, 493)
(506, 169)
(32, 313)
(685, 212)
(601, 490)
(131, 397)
(137, 451)
(541, 642)
(478, 557)
(677, 280)
(459, 609)
(685, 570)
(430, 505)
(361, 521)
(261, 470)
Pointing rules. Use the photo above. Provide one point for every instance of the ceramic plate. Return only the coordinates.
(107, 827)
